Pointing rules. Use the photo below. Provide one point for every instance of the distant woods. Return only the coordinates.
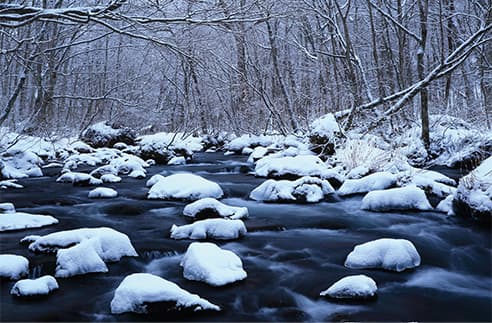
(243, 65)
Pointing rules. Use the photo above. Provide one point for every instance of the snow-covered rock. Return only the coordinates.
(376, 181)
(323, 134)
(220, 229)
(184, 186)
(154, 179)
(204, 261)
(305, 189)
(446, 205)
(137, 290)
(110, 178)
(13, 266)
(102, 192)
(83, 251)
(78, 178)
(20, 220)
(298, 166)
(210, 208)
(389, 254)
(7, 207)
(34, 287)
(473, 197)
(352, 287)
(403, 198)
(114, 244)
(81, 147)
(103, 134)
(16, 163)
(180, 160)
(162, 146)
(251, 141)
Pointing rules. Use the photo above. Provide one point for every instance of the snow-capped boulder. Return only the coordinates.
(34, 287)
(389, 254)
(184, 186)
(162, 146)
(403, 198)
(114, 244)
(16, 163)
(20, 220)
(204, 261)
(7, 207)
(110, 178)
(305, 189)
(180, 160)
(211, 208)
(433, 183)
(83, 251)
(81, 147)
(323, 134)
(13, 266)
(77, 178)
(251, 141)
(298, 166)
(352, 287)
(102, 192)
(376, 181)
(154, 179)
(473, 197)
(138, 290)
(220, 229)
(103, 134)
(446, 205)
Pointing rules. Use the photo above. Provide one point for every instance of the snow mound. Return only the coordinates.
(13, 266)
(355, 287)
(204, 261)
(177, 161)
(114, 244)
(102, 192)
(305, 189)
(20, 220)
(110, 178)
(103, 134)
(474, 194)
(184, 186)
(82, 251)
(19, 164)
(403, 198)
(136, 290)
(7, 208)
(33, 287)
(251, 141)
(389, 254)
(376, 181)
(154, 179)
(221, 229)
(210, 207)
(10, 183)
(325, 126)
(78, 178)
(298, 166)
(446, 205)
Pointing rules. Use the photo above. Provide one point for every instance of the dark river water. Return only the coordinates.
(291, 253)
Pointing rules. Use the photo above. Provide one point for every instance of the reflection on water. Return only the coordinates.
(291, 253)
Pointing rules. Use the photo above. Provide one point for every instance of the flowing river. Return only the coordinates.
(291, 253)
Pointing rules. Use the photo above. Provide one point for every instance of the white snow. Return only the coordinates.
(403, 198)
(114, 244)
(309, 189)
(110, 178)
(376, 181)
(13, 266)
(138, 289)
(102, 192)
(446, 205)
(80, 259)
(10, 183)
(184, 186)
(20, 164)
(76, 177)
(20, 220)
(206, 262)
(303, 165)
(220, 209)
(81, 147)
(154, 179)
(355, 286)
(7, 207)
(221, 229)
(180, 160)
(325, 126)
(389, 254)
(32, 287)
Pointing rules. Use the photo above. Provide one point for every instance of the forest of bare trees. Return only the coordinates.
(243, 65)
